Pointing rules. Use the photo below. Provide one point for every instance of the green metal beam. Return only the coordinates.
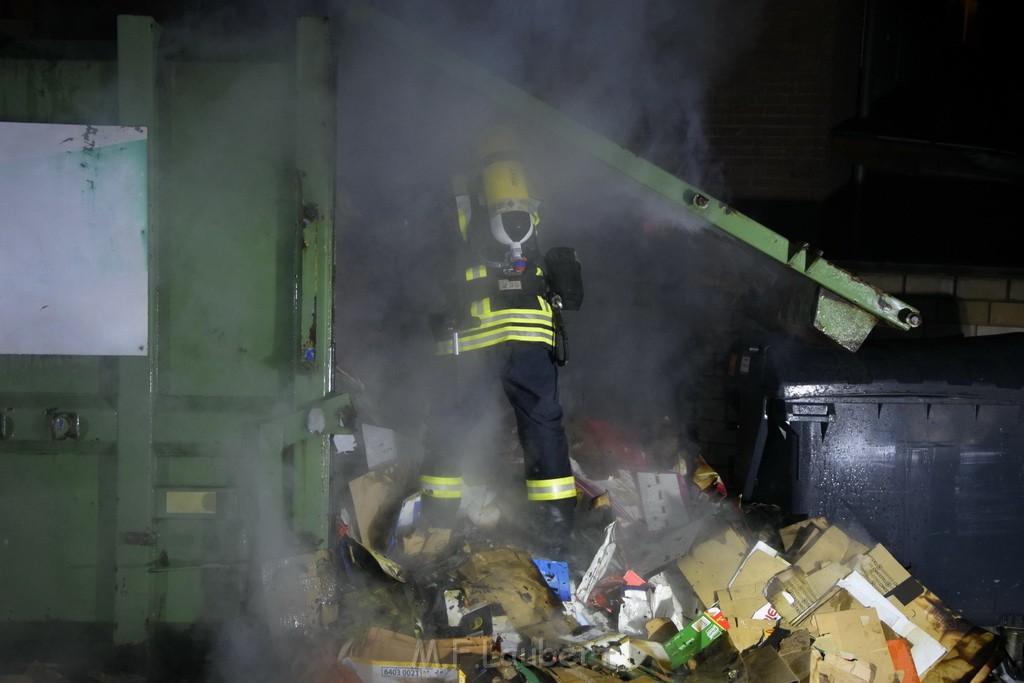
(293, 428)
(883, 306)
(314, 138)
(137, 41)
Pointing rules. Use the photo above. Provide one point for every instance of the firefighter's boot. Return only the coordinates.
(439, 502)
(552, 528)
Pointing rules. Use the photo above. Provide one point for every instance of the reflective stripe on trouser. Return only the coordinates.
(441, 487)
(551, 489)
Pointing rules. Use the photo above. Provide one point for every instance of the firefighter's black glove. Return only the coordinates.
(442, 325)
(460, 321)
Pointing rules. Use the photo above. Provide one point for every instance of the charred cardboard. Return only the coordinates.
(429, 542)
(972, 658)
(510, 579)
(795, 536)
(931, 615)
(358, 554)
(924, 648)
(765, 665)
(798, 654)
(377, 497)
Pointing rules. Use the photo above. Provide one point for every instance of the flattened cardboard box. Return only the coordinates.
(925, 649)
(856, 632)
(796, 536)
(759, 566)
(710, 564)
(832, 546)
(796, 594)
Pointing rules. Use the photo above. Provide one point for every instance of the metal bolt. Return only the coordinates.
(700, 201)
(910, 317)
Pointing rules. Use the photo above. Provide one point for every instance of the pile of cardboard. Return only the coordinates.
(676, 580)
(826, 608)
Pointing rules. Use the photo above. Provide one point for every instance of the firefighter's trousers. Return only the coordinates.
(462, 418)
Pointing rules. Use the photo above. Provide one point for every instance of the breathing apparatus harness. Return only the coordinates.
(502, 237)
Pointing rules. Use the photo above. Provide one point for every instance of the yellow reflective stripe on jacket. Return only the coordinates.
(489, 318)
(513, 315)
(441, 487)
(507, 324)
(503, 335)
(551, 489)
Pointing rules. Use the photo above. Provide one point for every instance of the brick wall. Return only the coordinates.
(769, 120)
(968, 302)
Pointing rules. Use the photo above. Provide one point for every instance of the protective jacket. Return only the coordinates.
(502, 292)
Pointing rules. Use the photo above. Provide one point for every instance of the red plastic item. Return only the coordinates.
(612, 442)
(631, 578)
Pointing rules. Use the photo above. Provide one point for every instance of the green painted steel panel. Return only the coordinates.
(188, 470)
(59, 375)
(229, 230)
(181, 448)
(58, 91)
(29, 420)
(50, 565)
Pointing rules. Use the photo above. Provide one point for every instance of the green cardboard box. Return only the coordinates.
(695, 637)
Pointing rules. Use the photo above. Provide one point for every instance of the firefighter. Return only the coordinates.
(499, 327)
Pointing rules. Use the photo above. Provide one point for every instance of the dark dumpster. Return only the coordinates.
(918, 442)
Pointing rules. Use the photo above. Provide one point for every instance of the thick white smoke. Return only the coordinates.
(638, 73)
